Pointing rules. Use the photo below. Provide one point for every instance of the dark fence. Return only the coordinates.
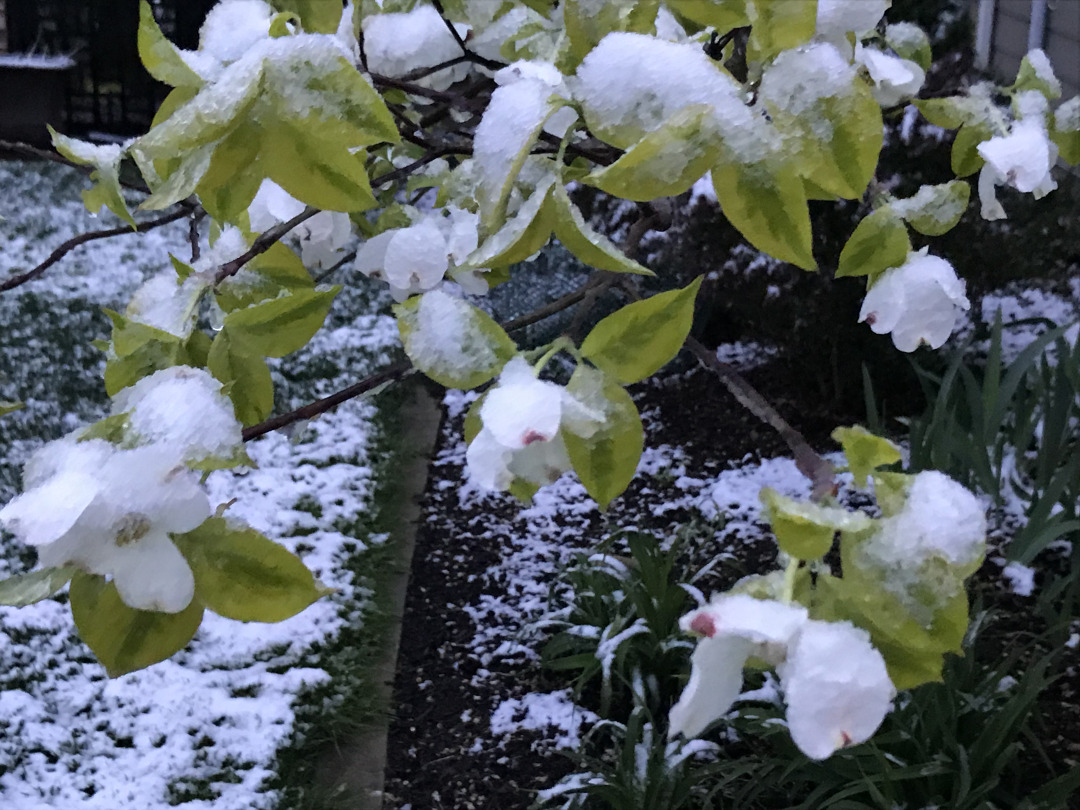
(108, 90)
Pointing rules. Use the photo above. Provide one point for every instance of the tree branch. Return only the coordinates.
(490, 64)
(83, 238)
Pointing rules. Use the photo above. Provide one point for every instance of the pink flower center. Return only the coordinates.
(705, 624)
(533, 436)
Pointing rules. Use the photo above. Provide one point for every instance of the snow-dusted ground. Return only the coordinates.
(202, 730)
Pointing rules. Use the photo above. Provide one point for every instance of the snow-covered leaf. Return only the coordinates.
(1065, 131)
(935, 210)
(106, 161)
(1036, 73)
(589, 21)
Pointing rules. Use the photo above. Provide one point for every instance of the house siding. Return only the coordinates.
(1060, 38)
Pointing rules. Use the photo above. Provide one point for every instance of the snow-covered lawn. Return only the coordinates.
(204, 729)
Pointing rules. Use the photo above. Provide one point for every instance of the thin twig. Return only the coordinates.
(490, 64)
(83, 238)
(193, 233)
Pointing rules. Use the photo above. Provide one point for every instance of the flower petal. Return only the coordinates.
(715, 681)
(152, 574)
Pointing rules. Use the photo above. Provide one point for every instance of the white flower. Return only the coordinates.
(1022, 159)
(415, 259)
(110, 512)
(836, 687)
(837, 18)
(835, 682)
(894, 78)
(321, 237)
(916, 302)
(184, 409)
(521, 437)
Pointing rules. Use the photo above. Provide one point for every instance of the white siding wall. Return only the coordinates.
(1008, 33)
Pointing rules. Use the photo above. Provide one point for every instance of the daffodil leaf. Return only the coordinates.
(767, 204)
(589, 246)
(878, 243)
(864, 451)
(125, 639)
(641, 338)
(241, 574)
(607, 459)
(26, 589)
(451, 341)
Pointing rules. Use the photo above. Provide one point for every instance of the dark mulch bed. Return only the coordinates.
(441, 752)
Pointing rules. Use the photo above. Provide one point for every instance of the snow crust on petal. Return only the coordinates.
(1022, 158)
(489, 461)
(183, 408)
(272, 204)
(66, 454)
(233, 26)
(1044, 71)
(152, 574)
(799, 78)
(716, 678)
(837, 18)
(917, 302)
(836, 687)
(894, 78)
(522, 409)
(47, 512)
(398, 43)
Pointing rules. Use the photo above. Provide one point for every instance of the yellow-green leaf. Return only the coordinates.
(641, 338)
(241, 574)
(124, 639)
(161, 58)
(804, 529)
(282, 325)
(767, 204)
(878, 243)
(935, 210)
(667, 161)
(520, 236)
(777, 25)
(26, 589)
(607, 459)
(317, 16)
(910, 42)
(9, 407)
(232, 179)
(586, 23)
(947, 113)
(1028, 78)
(865, 452)
(723, 15)
(106, 161)
(451, 341)
(320, 172)
(589, 246)
(965, 156)
(252, 389)
(1065, 131)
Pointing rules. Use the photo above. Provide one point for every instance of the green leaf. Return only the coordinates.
(9, 407)
(913, 651)
(606, 460)
(26, 589)
(241, 574)
(586, 23)
(723, 16)
(865, 452)
(891, 491)
(106, 174)
(849, 158)
(935, 210)
(152, 356)
(182, 180)
(588, 245)
(124, 639)
(806, 530)
(266, 276)
(234, 175)
(947, 113)
(641, 338)
(965, 157)
(1028, 79)
(252, 389)
(667, 161)
(451, 341)
(315, 169)
(1065, 130)
(280, 326)
(161, 58)
(318, 16)
(112, 429)
(878, 243)
(767, 204)
(910, 42)
(522, 235)
(129, 336)
(778, 25)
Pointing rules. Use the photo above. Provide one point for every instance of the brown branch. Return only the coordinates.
(83, 238)
(490, 64)
(810, 463)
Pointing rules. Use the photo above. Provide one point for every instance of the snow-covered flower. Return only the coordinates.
(416, 258)
(895, 79)
(322, 237)
(1022, 159)
(835, 682)
(521, 437)
(837, 18)
(110, 512)
(917, 302)
(184, 409)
